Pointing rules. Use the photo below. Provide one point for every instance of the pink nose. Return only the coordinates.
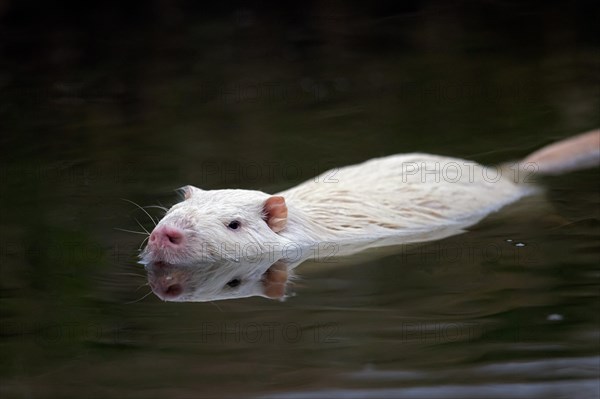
(167, 236)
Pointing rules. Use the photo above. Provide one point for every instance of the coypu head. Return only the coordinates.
(213, 225)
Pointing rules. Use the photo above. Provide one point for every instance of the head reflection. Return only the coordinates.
(225, 279)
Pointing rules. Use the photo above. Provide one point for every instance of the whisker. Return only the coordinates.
(137, 300)
(143, 228)
(132, 231)
(142, 244)
(130, 274)
(216, 306)
(145, 211)
(162, 208)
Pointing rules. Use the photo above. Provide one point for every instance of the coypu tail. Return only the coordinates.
(575, 153)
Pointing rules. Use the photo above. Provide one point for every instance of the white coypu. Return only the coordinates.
(407, 198)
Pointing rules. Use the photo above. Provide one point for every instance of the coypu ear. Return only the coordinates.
(275, 212)
(274, 281)
(187, 191)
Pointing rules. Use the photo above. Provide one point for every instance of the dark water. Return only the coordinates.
(113, 102)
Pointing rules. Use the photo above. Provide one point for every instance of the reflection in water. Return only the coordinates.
(227, 279)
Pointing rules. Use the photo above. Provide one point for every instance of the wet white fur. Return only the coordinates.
(401, 195)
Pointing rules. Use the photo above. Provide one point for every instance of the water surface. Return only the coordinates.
(98, 109)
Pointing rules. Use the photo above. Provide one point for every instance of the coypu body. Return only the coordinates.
(409, 197)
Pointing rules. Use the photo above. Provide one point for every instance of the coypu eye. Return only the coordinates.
(234, 225)
(234, 283)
